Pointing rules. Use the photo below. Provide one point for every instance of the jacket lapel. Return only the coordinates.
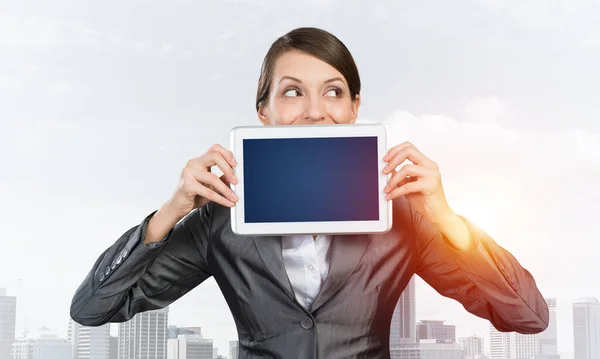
(269, 249)
(346, 253)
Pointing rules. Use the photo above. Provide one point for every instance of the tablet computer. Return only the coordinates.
(310, 179)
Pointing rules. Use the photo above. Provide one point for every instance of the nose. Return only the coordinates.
(314, 110)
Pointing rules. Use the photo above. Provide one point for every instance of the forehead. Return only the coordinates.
(304, 67)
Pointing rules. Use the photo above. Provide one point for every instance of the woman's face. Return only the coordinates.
(305, 90)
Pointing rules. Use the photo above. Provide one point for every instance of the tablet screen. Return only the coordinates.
(310, 179)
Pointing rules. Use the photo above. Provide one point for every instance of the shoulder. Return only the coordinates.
(220, 216)
(402, 212)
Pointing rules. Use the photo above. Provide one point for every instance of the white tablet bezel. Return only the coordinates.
(239, 133)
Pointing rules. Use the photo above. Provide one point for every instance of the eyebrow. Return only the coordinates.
(298, 80)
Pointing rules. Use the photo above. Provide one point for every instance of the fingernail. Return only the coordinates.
(234, 180)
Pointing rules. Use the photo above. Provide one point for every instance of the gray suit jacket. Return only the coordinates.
(349, 318)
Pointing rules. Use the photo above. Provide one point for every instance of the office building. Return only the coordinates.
(144, 336)
(436, 329)
(89, 342)
(403, 324)
(114, 347)
(512, 345)
(8, 314)
(471, 346)
(190, 346)
(549, 337)
(233, 349)
(586, 328)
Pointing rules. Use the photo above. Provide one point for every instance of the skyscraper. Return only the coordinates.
(586, 328)
(190, 346)
(472, 346)
(512, 345)
(89, 342)
(436, 329)
(8, 312)
(144, 336)
(403, 325)
(114, 347)
(549, 337)
(233, 349)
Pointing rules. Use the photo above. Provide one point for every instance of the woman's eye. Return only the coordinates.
(334, 92)
(291, 93)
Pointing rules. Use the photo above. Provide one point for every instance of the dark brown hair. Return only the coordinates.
(313, 41)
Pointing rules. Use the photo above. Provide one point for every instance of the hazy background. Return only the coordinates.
(101, 105)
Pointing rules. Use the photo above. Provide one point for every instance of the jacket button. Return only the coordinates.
(107, 271)
(307, 323)
(113, 265)
(101, 277)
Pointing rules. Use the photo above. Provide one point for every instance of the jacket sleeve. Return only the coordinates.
(132, 277)
(486, 279)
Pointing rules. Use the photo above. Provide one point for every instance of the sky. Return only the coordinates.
(102, 104)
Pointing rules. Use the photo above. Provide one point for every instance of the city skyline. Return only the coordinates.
(85, 342)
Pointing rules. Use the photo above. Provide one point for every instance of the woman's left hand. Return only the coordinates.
(420, 182)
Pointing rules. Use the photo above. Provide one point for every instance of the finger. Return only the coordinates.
(221, 187)
(228, 155)
(225, 167)
(394, 150)
(194, 187)
(209, 178)
(406, 180)
(407, 170)
(410, 187)
(401, 183)
(213, 196)
(411, 154)
(210, 159)
(405, 151)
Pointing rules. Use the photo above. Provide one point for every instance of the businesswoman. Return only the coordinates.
(320, 296)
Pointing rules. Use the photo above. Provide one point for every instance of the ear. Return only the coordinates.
(355, 105)
(263, 115)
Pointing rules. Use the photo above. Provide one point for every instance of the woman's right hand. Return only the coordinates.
(198, 185)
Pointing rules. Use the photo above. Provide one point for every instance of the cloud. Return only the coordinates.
(486, 109)
(483, 139)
